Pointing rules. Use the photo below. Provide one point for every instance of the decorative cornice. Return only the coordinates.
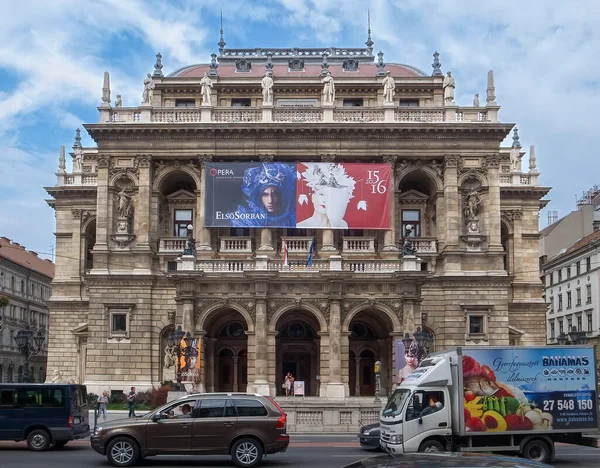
(451, 161)
(143, 160)
(303, 131)
(493, 161)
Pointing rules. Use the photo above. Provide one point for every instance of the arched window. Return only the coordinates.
(12, 283)
(22, 286)
(10, 374)
(20, 374)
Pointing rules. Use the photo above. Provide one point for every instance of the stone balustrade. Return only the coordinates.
(358, 245)
(171, 245)
(374, 115)
(334, 263)
(235, 245)
(297, 244)
(425, 245)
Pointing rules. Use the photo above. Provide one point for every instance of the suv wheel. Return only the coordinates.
(123, 451)
(246, 453)
(38, 440)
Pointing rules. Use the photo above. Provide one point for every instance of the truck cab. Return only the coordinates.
(417, 417)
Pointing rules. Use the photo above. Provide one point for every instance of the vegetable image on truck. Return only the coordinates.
(518, 400)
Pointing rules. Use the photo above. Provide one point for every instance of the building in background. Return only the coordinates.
(564, 232)
(25, 281)
(282, 276)
(572, 290)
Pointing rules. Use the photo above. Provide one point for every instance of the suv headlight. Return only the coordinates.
(366, 432)
(98, 430)
(396, 439)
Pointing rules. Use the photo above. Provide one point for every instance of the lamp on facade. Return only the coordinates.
(29, 344)
(419, 345)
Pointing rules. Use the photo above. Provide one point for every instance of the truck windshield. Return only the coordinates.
(396, 402)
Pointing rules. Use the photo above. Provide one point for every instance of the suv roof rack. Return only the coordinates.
(221, 394)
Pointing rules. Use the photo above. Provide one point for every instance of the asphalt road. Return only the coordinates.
(314, 451)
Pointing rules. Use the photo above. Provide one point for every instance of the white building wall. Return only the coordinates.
(587, 308)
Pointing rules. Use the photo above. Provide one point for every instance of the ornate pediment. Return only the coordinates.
(181, 196)
(412, 196)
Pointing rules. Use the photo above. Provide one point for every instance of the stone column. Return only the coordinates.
(493, 208)
(335, 386)
(188, 323)
(519, 261)
(450, 254)
(142, 210)
(261, 383)
(102, 218)
(451, 197)
(210, 365)
(389, 242)
(357, 378)
(266, 235)
(235, 373)
(201, 232)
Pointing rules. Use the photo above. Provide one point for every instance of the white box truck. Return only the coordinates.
(518, 400)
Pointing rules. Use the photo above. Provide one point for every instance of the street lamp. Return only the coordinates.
(574, 337)
(174, 340)
(190, 243)
(29, 343)
(419, 345)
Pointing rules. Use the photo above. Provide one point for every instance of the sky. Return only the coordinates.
(544, 54)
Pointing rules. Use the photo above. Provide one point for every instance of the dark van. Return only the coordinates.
(43, 414)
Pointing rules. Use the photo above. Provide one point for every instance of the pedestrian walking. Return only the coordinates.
(102, 403)
(131, 400)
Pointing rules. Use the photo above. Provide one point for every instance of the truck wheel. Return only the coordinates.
(536, 450)
(38, 440)
(431, 446)
(123, 451)
(246, 453)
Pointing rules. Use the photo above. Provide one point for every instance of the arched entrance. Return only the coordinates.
(226, 357)
(369, 342)
(297, 350)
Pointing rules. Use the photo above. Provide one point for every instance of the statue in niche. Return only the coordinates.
(169, 358)
(149, 86)
(408, 248)
(472, 204)
(206, 86)
(124, 205)
(328, 89)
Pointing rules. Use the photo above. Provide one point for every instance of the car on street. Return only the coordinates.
(444, 460)
(369, 436)
(245, 426)
(43, 414)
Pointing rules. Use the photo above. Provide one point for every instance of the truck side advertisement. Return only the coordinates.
(536, 389)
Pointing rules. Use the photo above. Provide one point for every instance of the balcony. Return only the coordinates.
(171, 245)
(235, 245)
(425, 245)
(358, 245)
(297, 245)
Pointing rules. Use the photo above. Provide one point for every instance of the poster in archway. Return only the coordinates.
(189, 361)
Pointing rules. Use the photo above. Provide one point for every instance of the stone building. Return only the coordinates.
(25, 281)
(123, 216)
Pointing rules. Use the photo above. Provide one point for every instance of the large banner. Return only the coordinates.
(536, 389)
(298, 195)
